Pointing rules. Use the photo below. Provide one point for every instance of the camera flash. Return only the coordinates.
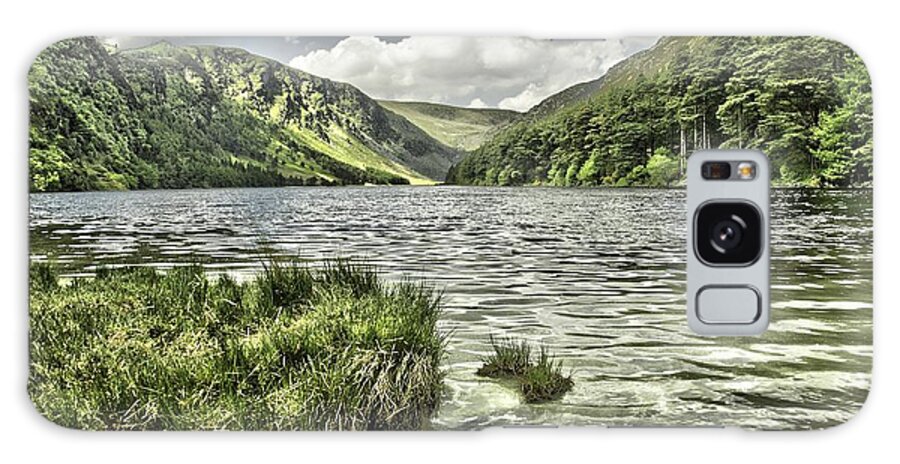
(746, 170)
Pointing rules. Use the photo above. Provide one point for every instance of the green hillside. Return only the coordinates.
(806, 102)
(182, 117)
(460, 128)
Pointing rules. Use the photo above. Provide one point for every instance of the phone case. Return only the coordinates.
(352, 233)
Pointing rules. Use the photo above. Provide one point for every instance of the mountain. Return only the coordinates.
(804, 101)
(181, 117)
(461, 128)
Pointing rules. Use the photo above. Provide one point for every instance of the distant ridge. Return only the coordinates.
(457, 127)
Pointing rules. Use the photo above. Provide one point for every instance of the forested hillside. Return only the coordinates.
(181, 117)
(806, 102)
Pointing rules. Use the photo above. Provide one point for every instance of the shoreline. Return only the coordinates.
(438, 185)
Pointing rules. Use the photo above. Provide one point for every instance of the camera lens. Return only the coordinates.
(728, 233)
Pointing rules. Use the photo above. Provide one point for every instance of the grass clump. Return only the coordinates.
(538, 380)
(511, 358)
(295, 348)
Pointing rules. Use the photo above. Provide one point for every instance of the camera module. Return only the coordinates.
(728, 233)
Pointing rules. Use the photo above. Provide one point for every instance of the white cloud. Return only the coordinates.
(477, 103)
(514, 73)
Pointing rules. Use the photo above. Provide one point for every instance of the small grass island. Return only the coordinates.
(538, 380)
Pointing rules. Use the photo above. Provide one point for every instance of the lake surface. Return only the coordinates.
(596, 274)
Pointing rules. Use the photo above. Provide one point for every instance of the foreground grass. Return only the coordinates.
(538, 380)
(295, 348)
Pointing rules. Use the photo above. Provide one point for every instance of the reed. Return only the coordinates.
(335, 348)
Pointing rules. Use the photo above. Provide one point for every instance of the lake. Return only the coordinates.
(596, 274)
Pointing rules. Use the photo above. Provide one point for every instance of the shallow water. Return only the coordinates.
(598, 275)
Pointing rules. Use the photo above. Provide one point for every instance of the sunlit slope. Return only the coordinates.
(460, 128)
(181, 117)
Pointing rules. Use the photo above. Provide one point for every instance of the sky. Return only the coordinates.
(480, 72)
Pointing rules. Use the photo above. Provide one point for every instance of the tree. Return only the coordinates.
(662, 169)
(844, 135)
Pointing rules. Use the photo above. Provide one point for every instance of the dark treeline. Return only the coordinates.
(806, 102)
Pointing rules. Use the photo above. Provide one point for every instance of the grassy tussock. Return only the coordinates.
(295, 348)
(538, 380)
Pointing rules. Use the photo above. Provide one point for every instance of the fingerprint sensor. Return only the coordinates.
(726, 304)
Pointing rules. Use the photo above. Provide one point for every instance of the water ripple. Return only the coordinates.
(598, 275)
